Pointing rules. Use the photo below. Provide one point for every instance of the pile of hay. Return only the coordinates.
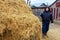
(17, 21)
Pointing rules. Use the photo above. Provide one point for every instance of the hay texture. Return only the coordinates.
(17, 21)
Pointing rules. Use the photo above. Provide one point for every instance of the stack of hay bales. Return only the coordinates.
(17, 21)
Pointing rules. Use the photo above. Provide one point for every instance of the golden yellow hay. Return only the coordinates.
(17, 21)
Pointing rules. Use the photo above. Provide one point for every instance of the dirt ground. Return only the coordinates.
(53, 33)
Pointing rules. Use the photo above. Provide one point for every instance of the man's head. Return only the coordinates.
(47, 9)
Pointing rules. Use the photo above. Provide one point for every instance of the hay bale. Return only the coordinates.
(17, 21)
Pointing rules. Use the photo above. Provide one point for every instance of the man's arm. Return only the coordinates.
(51, 18)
